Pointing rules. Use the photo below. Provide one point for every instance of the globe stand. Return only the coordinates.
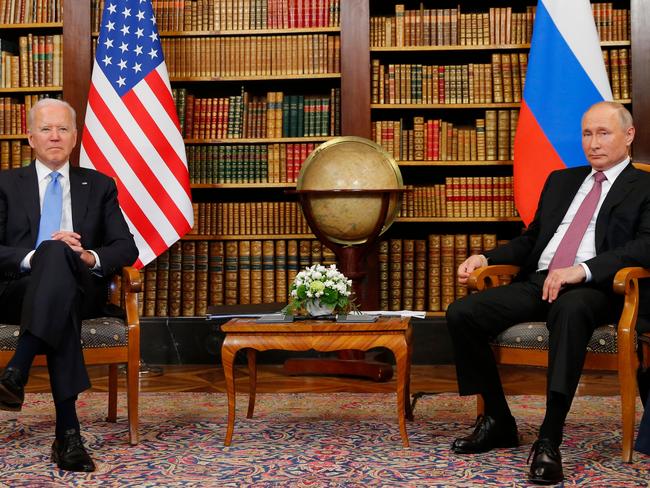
(351, 260)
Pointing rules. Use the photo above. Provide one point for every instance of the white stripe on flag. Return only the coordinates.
(145, 252)
(128, 178)
(166, 125)
(162, 71)
(141, 142)
(574, 20)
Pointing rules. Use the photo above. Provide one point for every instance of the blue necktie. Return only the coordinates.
(52, 207)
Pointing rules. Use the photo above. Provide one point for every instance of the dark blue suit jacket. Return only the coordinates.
(96, 216)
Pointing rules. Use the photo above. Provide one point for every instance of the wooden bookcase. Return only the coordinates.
(256, 92)
(357, 114)
(446, 83)
(31, 45)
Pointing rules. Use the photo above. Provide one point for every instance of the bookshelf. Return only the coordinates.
(30, 68)
(356, 113)
(249, 119)
(446, 82)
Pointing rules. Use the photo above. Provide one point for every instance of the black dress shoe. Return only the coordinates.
(546, 468)
(488, 434)
(12, 391)
(70, 453)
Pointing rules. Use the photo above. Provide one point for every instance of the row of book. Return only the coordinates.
(246, 56)
(30, 11)
(491, 139)
(228, 15)
(274, 115)
(246, 163)
(421, 274)
(461, 197)
(502, 80)
(248, 218)
(13, 113)
(450, 27)
(33, 61)
(14, 154)
(497, 26)
(612, 24)
(617, 64)
(192, 275)
(12, 117)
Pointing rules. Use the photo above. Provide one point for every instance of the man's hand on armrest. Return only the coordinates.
(470, 264)
(559, 278)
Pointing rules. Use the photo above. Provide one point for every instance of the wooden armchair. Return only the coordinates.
(611, 348)
(106, 340)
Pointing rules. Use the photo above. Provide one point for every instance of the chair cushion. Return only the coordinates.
(534, 335)
(95, 333)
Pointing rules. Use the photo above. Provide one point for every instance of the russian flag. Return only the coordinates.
(566, 75)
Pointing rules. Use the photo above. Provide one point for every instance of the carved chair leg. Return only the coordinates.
(133, 395)
(112, 393)
(627, 382)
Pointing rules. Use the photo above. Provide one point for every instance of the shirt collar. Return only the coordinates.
(43, 171)
(613, 172)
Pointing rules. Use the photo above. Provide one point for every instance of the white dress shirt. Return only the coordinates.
(44, 178)
(587, 247)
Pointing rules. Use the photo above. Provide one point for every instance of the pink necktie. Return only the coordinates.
(566, 252)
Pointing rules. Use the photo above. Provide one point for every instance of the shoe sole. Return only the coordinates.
(55, 459)
(504, 445)
(11, 407)
(9, 401)
(541, 481)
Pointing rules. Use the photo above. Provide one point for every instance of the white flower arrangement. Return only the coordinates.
(320, 284)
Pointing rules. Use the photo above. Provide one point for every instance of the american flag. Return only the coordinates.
(132, 132)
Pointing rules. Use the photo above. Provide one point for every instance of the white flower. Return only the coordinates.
(316, 281)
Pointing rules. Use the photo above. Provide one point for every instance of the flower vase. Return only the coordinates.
(316, 308)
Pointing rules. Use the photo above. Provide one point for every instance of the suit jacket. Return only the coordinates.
(622, 225)
(96, 216)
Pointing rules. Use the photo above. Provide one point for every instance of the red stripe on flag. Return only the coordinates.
(135, 214)
(535, 159)
(137, 163)
(157, 139)
(159, 87)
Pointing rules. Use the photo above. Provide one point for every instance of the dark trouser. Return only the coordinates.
(50, 303)
(571, 320)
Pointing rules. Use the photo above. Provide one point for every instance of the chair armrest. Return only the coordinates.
(131, 285)
(627, 278)
(626, 282)
(490, 276)
(131, 280)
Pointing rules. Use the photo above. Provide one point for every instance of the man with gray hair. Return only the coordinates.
(590, 222)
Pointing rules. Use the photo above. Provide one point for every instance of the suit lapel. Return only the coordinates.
(28, 190)
(79, 191)
(617, 193)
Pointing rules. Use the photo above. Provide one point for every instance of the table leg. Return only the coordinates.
(251, 354)
(401, 362)
(228, 362)
(407, 387)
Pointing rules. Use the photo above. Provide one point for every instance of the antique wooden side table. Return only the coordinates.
(393, 333)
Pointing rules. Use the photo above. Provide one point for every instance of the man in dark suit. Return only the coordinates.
(570, 289)
(62, 235)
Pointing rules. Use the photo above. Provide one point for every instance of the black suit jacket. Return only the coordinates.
(96, 216)
(622, 225)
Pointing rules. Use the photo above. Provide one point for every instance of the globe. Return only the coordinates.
(350, 166)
